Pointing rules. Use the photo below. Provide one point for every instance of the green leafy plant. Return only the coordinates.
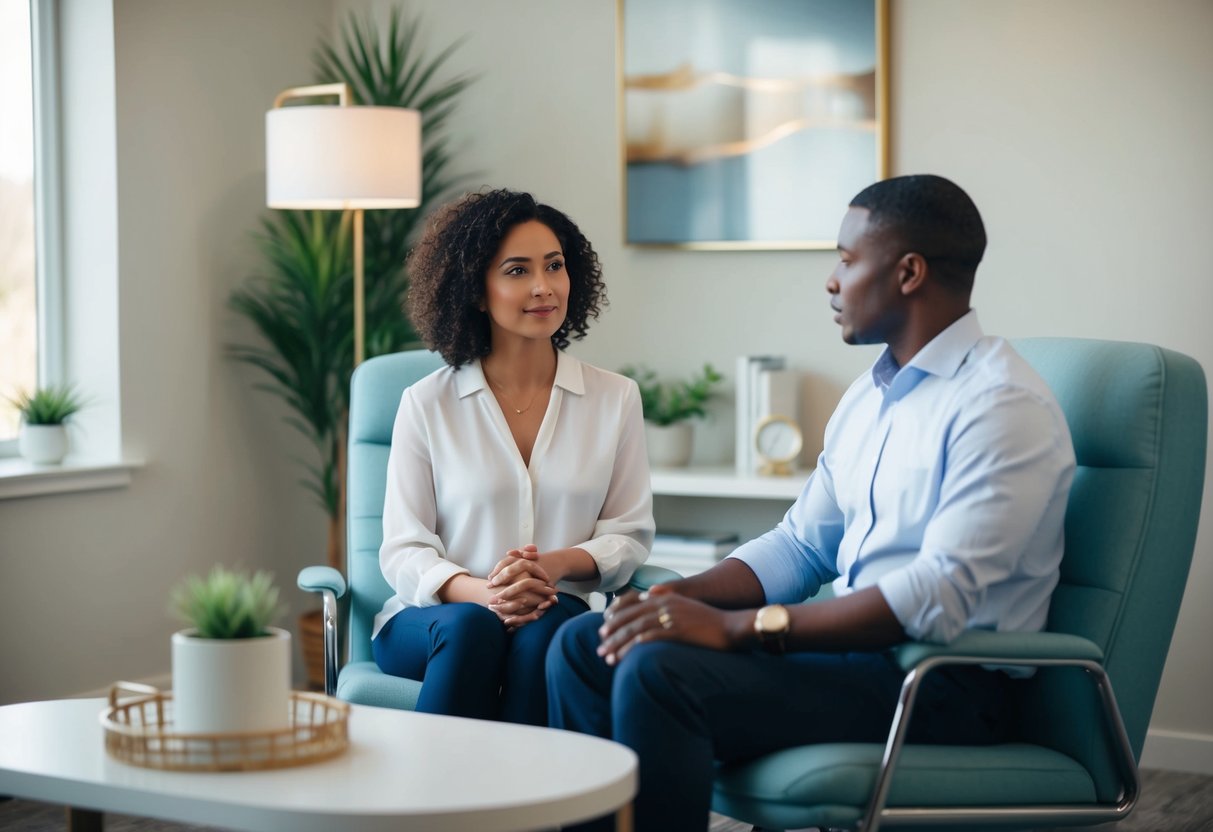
(51, 405)
(228, 603)
(301, 305)
(670, 402)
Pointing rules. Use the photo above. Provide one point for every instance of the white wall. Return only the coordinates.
(86, 576)
(1080, 128)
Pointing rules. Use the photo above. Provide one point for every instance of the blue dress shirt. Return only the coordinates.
(944, 483)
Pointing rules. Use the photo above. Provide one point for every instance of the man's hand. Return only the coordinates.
(522, 590)
(661, 614)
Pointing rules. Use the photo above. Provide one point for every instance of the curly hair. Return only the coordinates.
(449, 265)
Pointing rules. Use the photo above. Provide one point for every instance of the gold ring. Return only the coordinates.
(665, 619)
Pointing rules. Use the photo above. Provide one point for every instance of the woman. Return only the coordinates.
(517, 479)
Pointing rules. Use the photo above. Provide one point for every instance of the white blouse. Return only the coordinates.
(459, 496)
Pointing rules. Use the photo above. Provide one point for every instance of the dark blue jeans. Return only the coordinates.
(681, 708)
(470, 665)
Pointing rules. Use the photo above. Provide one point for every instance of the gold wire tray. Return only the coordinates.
(139, 731)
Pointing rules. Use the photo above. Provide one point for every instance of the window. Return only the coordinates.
(29, 322)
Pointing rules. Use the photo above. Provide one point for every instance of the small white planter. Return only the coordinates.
(42, 444)
(240, 685)
(669, 445)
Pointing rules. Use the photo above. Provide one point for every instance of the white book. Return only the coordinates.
(748, 368)
(742, 448)
(778, 394)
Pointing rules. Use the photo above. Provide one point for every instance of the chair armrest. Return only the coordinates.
(330, 585)
(988, 647)
(649, 576)
(320, 578)
(985, 647)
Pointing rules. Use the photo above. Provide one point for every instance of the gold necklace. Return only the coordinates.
(534, 396)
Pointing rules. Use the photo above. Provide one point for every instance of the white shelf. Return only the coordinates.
(724, 481)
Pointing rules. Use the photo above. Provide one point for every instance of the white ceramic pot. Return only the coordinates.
(669, 445)
(231, 685)
(42, 444)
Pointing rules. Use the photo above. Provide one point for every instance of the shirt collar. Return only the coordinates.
(568, 376)
(942, 356)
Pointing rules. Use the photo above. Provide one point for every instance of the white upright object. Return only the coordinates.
(742, 454)
(748, 369)
(231, 685)
(778, 394)
(42, 444)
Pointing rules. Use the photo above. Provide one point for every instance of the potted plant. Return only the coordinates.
(42, 438)
(231, 668)
(668, 408)
(301, 303)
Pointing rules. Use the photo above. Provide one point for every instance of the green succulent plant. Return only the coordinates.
(665, 403)
(51, 405)
(228, 604)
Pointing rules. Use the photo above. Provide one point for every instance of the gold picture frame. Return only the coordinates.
(748, 124)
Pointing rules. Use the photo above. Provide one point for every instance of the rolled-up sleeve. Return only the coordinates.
(623, 534)
(412, 557)
(795, 558)
(1010, 462)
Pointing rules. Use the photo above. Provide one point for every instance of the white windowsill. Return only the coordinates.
(19, 478)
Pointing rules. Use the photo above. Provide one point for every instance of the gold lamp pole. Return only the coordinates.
(346, 158)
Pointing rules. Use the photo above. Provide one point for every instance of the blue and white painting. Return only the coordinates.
(749, 123)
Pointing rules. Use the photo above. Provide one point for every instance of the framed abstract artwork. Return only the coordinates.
(749, 124)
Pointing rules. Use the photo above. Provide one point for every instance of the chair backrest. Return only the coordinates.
(375, 391)
(1138, 415)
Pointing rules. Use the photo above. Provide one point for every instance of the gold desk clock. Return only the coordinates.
(778, 441)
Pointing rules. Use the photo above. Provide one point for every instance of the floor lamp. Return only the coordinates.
(342, 158)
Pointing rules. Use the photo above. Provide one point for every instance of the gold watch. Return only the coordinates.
(772, 624)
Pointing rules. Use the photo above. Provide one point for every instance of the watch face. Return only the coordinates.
(772, 619)
(777, 438)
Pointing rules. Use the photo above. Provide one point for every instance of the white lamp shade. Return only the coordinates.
(342, 157)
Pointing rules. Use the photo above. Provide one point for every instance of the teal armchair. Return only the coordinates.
(1138, 415)
(350, 670)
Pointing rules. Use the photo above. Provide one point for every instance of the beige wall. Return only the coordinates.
(1080, 128)
(86, 576)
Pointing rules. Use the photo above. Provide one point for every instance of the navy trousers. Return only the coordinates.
(680, 708)
(470, 665)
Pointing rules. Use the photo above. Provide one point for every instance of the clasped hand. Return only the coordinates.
(521, 590)
(660, 614)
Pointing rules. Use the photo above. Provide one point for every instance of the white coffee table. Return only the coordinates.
(402, 770)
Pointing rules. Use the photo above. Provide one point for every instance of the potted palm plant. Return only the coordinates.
(43, 438)
(668, 408)
(231, 668)
(301, 304)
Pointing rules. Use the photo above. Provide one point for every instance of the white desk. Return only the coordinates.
(402, 770)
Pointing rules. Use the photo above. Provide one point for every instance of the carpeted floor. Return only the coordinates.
(1170, 802)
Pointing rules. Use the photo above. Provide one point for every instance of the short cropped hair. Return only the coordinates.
(932, 216)
(449, 266)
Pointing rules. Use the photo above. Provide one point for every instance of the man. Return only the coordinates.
(936, 506)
